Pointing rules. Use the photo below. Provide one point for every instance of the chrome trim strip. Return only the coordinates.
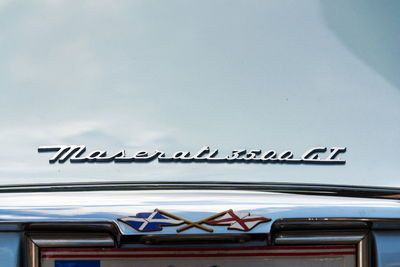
(363, 252)
(73, 240)
(360, 239)
(318, 223)
(336, 222)
(313, 238)
(35, 241)
(32, 253)
(75, 226)
(357, 237)
(312, 189)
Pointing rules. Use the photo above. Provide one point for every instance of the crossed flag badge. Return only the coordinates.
(154, 221)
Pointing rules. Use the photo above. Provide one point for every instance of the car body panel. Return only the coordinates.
(176, 76)
(10, 248)
(181, 75)
(387, 248)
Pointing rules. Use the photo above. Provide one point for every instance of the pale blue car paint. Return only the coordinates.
(10, 249)
(179, 75)
(387, 248)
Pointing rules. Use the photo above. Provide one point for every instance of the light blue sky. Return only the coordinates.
(178, 75)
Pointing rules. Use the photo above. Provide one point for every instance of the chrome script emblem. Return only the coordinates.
(76, 154)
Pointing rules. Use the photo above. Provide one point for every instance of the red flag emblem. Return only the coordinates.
(242, 221)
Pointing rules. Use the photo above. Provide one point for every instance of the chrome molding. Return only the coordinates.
(363, 252)
(360, 239)
(99, 215)
(318, 238)
(317, 233)
(337, 223)
(311, 189)
(295, 231)
(36, 241)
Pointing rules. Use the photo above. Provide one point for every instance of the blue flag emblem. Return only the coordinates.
(150, 221)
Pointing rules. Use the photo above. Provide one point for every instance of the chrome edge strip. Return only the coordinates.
(312, 189)
(310, 237)
(36, 241)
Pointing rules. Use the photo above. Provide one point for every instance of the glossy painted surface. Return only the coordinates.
(179, 75)
(108, 206)
(387, 248)
(10, 248)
